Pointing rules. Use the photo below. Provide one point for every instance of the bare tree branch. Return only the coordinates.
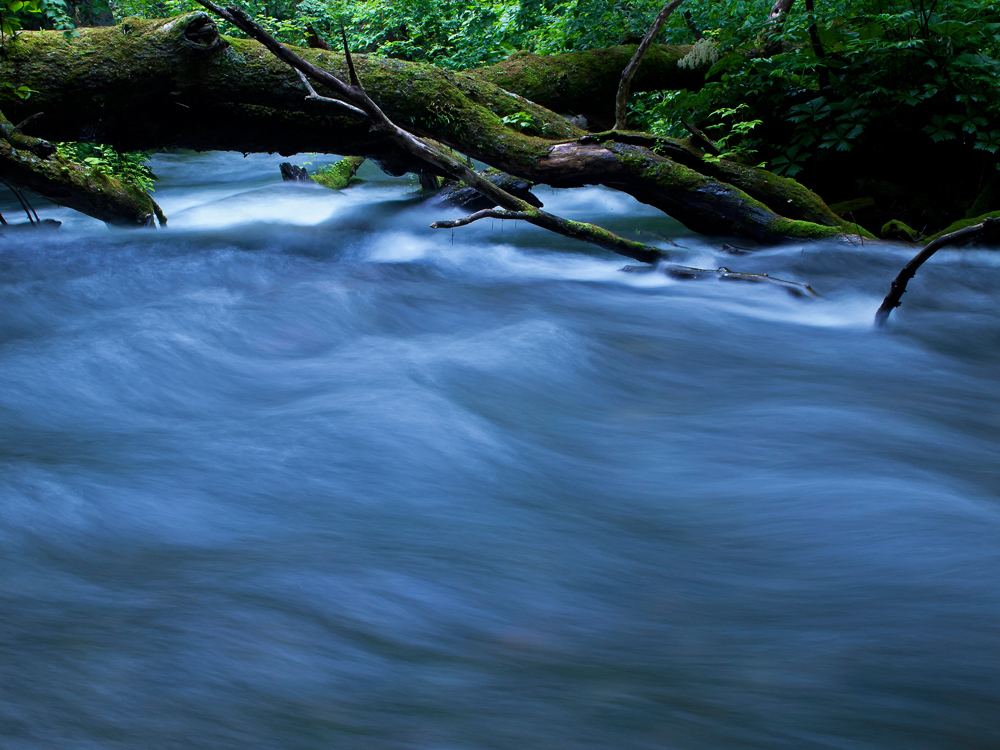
(316, 97)
(621, 100)
(486, 213)
(350, 60)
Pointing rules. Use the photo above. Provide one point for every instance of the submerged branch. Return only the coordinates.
(722, 273)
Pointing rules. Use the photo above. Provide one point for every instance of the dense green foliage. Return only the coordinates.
(866, 70)
(16, 15)
(820, 83)
(130, 168)
(449, 33)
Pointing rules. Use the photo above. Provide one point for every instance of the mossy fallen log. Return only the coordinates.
(584, 83)
(33, 164)
(963, 224)
(176, 82)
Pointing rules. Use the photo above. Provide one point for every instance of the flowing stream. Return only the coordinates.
(299, 472)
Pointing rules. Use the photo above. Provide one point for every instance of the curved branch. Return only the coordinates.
(989, 228)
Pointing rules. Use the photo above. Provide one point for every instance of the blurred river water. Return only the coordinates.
(299, 472)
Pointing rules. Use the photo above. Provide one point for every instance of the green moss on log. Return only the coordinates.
(156, 84)
(963, 223)
(586, 82)
(898, 230)
(341, 174)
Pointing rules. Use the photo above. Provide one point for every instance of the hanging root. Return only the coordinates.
(28, 210)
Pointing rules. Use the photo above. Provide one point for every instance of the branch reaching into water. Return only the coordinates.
(722, 273)
(988, 229)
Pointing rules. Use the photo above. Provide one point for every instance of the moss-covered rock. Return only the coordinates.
(897, 230)
(341, 174)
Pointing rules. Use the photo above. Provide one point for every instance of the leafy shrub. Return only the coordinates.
(130, 168)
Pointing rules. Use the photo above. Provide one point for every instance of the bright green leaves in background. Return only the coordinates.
(16, 15)
(932, 67)
(130, 168)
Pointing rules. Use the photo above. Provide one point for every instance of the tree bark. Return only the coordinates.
(585, 83)
(177, 83)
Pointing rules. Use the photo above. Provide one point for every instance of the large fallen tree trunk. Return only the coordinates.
(33, 164)
(155, 84)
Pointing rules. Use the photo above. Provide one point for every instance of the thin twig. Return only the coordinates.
(24, 203)
(316, 97)
(350, 60)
